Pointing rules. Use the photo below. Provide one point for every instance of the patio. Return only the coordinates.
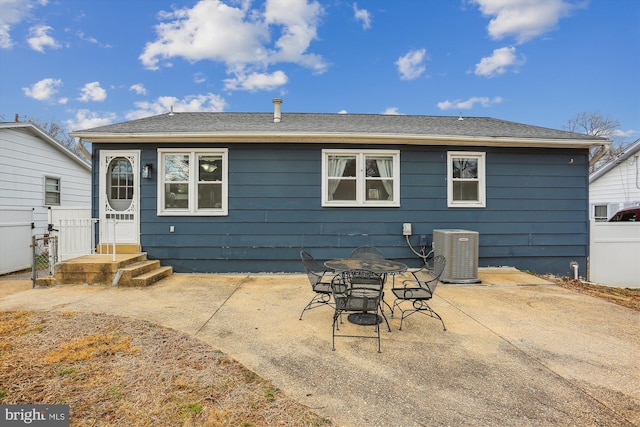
(517, 350)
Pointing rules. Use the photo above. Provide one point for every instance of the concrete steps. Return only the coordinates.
(126, 270)
(142, 273)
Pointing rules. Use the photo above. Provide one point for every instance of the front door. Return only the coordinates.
(119, 197)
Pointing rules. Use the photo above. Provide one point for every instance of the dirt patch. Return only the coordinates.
(625, 297)
(115, 371)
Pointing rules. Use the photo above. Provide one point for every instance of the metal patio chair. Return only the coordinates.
(320, 280)
(358, 292)
(419, 291)
(367, 252)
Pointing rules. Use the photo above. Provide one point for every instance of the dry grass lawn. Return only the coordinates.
(625, 297)
(121, 372)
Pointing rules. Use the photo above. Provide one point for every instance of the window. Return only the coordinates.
(360, 178)
(120, 183)
(192, 182)
(466, 179)
(600, 212)
(51, 191)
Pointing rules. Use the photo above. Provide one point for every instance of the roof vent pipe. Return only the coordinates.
(277, 115)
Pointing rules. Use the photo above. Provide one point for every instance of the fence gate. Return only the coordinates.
(45, 256)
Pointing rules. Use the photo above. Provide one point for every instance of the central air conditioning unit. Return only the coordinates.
(460, 249)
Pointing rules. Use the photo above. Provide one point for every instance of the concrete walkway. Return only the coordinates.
(517, 350)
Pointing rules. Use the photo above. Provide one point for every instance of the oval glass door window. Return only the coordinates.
(120, 184)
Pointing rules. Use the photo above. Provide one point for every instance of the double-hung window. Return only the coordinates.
(600, 212)
(192, 182)
(51, 191)
(361, 178)
(466, 179)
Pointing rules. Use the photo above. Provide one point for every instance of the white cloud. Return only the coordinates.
(39, 39)
(92, 92)
(199, 78)
(625, 133)
(392, 111)
(498, 62)
(5, 36)
(256, 81)
(86, 119)
(82, 36)
(469, 103)
(239, 37)
(297, 21)
(164, 104)
(411, 66)
(362, 15)
(138, 88)
(13, 12)
(523, 19)
(43, 90)
(343, 112)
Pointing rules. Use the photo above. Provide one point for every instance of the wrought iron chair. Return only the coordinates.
(419, 291)
(367, 252)
(320, 280)
(358, 292)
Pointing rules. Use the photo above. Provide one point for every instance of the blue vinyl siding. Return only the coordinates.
(536, 216)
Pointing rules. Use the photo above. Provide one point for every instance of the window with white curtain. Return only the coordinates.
(466, 179)
(361, 178)
(192, 182)
(601, 212)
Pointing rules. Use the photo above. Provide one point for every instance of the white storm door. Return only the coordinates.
(120, 197)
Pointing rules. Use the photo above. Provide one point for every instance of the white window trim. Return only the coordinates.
(360, 179)
(192, 210)
(44, 192)
(482, 202)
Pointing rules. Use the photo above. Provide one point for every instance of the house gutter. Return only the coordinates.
(83, 150)
(335, 138)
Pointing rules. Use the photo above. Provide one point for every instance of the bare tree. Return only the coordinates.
(595, 124)
(58, 133)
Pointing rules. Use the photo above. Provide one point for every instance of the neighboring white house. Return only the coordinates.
(616, 185)
(36, 173)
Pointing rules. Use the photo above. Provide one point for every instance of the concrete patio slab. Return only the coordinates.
(535, 355)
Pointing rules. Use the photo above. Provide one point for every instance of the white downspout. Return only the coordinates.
(83, 150)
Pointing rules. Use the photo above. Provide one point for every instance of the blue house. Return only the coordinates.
(244, 192)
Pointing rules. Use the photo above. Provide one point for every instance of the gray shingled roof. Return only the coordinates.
(212, 124)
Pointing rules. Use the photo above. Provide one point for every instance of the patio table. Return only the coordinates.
(376, 265)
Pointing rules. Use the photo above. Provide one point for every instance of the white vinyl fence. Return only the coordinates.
(76, 232)
(615, 254)
(16, 225)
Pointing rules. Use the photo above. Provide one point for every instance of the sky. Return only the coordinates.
(82, 64)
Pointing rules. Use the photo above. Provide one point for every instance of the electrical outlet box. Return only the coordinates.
(406, 229)
(423, 240)
(172, 229)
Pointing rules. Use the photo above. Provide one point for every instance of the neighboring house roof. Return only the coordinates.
(336, 128)
(40, 133)
(631, 150)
